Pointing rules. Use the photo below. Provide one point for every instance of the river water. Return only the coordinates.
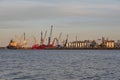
(59, 65)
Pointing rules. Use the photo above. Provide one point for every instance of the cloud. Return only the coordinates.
(28, 10)
(69, 16)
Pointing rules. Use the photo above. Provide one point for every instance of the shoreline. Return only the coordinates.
(83, 49)
(64, 48)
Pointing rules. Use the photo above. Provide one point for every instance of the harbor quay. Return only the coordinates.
(100, 44)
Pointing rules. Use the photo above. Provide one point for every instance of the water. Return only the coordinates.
(59, 65)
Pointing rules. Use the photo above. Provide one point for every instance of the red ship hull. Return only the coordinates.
(42, 46)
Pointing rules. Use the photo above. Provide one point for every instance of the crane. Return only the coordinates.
(44, 36)
(66, 41)
(41, 40)
(59, 38)
(57, 41)
(49, 38)
(21, 39)
(53, 42)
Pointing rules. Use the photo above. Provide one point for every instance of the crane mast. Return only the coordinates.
(49, 38)
(59, 38)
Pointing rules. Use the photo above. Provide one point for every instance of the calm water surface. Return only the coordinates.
(59, 65)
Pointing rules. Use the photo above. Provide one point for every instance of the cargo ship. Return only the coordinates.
(51, 44)
(13, 44)
(42, 45)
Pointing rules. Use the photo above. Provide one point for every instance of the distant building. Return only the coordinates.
(78, 44)
(108, 44)
(117, 44)
(99, 43)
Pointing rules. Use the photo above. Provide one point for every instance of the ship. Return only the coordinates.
(42, 45)
(13, 44)
(51, 44)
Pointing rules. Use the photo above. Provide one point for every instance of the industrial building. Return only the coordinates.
(78, 44)
(104, 43)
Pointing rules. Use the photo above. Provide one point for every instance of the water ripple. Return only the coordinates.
(59, 65)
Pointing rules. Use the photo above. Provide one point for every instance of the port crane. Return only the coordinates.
(49, 38)
(42, 40)
(58, 40)
(66, 41)
(53, 42)
(44, 36)
(59, 37)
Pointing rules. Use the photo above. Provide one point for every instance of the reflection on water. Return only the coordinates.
(59, 65)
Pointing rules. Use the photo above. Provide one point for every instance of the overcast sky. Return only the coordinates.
(88, 19)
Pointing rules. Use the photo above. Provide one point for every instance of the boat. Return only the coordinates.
(14, 45)
(42, 45)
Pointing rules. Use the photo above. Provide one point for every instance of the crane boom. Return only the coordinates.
(44, 36)
(59, 38)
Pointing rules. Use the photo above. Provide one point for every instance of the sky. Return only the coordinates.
(86, 19)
